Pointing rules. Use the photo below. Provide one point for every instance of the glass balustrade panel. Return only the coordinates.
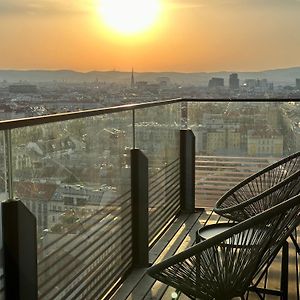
(236, 139)
(74, 176)
(3, 196)
(157, 132)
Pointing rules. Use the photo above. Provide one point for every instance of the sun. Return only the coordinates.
(129, 16)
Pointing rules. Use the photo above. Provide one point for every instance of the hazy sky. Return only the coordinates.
(189, 35)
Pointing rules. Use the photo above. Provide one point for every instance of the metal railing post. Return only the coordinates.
(133, 129)
(284, 284)
(19, 251)
(139, 198)
(187, 171)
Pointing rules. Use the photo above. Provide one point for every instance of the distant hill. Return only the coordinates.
(278, 76)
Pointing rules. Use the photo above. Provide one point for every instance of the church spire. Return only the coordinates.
(132, 79)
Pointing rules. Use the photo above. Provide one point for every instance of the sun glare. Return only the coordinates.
(129, 16)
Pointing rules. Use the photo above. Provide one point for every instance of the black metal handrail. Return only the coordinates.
(32, 121)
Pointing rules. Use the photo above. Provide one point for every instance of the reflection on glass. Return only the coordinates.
(235, 140)
(75, 177)
(157, 132)
(3, 168)
(3, 197)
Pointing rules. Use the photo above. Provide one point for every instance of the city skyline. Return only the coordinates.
(187, 36)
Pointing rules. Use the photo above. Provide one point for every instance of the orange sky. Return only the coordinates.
(189, 36)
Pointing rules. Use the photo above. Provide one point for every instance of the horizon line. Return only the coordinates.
(156, 71)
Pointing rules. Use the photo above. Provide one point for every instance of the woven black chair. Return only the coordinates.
(224, 266)
(241, 203)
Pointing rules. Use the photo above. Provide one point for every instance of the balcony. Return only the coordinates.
(104, 183)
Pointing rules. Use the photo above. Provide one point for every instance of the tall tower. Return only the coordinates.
(298, 83)
(132, 79)
(234, 82)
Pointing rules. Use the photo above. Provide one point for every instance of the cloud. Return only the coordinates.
(40, 7)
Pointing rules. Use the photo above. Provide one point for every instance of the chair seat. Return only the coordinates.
(216, 269)
(266, 188)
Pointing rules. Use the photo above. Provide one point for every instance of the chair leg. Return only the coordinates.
(284, 271)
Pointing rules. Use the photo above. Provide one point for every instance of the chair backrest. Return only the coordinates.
(245, 199)
(215, 268)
